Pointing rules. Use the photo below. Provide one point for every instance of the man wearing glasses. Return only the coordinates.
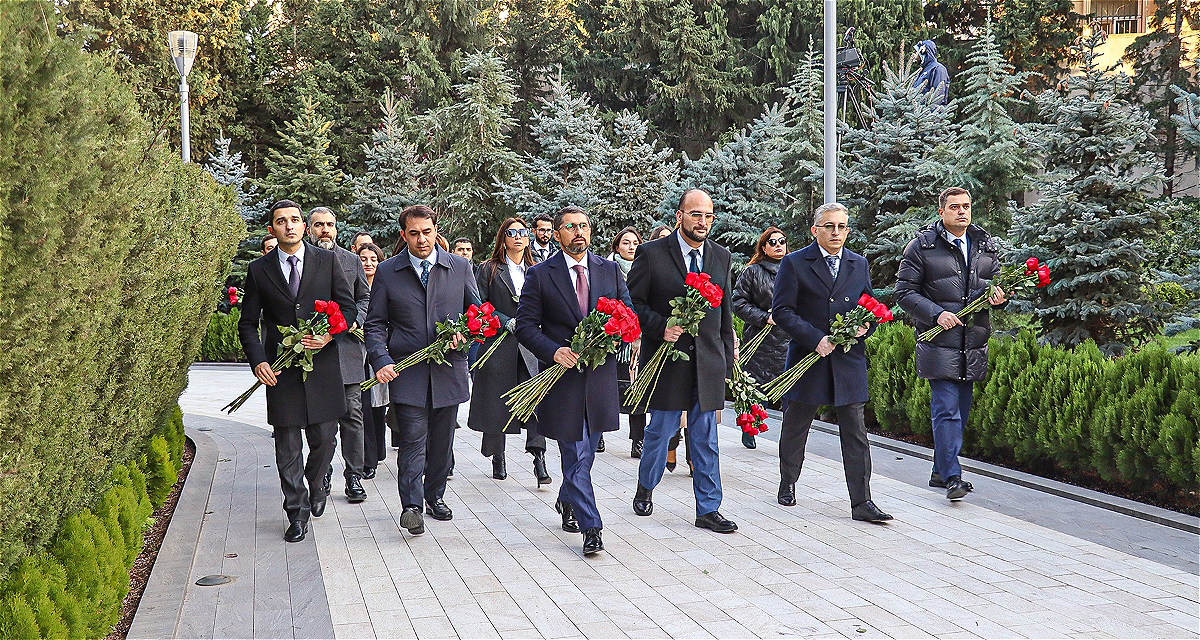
(814, 285)
(695, 385)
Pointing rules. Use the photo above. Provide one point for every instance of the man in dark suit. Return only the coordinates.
(814, 285)
(695, 385)
(413, 291)
(322, 227)
(542, 246)
(281, 289)
(582, 405)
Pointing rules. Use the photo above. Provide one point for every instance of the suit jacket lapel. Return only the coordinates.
(309, 274)
(819, 265)
(275, 274)
(677, 253)
(562, 276)
(506, 278)
(595, 269)
(845, 271)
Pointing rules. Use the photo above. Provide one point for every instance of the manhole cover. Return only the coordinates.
(214, 580)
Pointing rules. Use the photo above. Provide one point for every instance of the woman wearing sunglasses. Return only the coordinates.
(752, 303)
(500, 280)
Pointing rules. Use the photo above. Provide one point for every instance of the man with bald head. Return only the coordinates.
(695, 385)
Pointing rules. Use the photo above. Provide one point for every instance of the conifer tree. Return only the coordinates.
(468, 146)
(392, 180)
(1092, 222)
(303, 169)
(229, 171)
(990, 145)
(637, 175)
(803, 164)
(896, 168)
(1188, 117)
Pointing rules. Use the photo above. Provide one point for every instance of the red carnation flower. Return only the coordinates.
(320, 306)
(1031, 265)
(486, 308)
(474, 325)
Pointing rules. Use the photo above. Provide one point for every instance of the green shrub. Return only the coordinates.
(1130, 420)
(221, 342)
(162, 470)
(113, 253)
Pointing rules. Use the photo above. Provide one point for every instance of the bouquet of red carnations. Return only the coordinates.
(600, 334)
(477, 324)
(687, 312)
(327, 317)
(235, 295)
(842, 332)
(1010, 279)
(748, 401)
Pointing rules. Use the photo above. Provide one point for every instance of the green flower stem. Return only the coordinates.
(779, 387)
(414, 358)
(285, 360)
(487, 354)
(750, 347)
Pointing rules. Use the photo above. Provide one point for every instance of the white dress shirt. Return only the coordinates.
(950, 237)
(416, 262)
(517, 273)
(687, 250)
(287, 268)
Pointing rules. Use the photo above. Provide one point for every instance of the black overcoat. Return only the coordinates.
(752, 303)
(805, 303)
(546, 320)
(402, 319)
(657, 277)
(295, 402)
(505, 368)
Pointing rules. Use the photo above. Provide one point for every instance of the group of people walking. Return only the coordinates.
(542, 280)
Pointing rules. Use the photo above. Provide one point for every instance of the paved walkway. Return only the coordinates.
(1009, 561)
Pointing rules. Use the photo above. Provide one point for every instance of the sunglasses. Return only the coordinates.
(517, 233)
(775, 242)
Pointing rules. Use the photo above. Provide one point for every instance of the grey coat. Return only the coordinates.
(402, 318)
(933, 279)
(351, 351)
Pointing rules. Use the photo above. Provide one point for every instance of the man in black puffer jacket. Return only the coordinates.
(948, 264)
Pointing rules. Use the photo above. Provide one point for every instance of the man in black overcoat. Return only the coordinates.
(695, 385)
(413, 291)
(281, 289)
(814, 285)
(582, 405)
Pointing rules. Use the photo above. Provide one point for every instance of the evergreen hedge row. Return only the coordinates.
(112, 252)
(1131, 421)
(221, 342)
(75, 588)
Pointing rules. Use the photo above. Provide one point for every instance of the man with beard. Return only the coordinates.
(543, 230)
(695, 385)
(322, 228)
(557, 295)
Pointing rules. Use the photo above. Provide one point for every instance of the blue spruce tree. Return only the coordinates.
(392, 180)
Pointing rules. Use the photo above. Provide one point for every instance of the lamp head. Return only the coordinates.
(183, 50)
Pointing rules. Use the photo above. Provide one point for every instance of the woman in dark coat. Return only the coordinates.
(375, 400)
(752, 303)
(624, 244)
(500, 279)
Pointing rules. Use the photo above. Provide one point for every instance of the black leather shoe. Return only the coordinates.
(955, 488)
(569, 523)
(600, 449)
(316, 504)
(671, 460)
(439, 510)
(635, 451)
(499, 466)
(369, 473)
(411, 519)
(787, 494)
(868, 512)
(591, 541)
(327, 482)
(539, 468)
(716, 522)
(748, 441)
(643, 501)
(295, 531)
(354, 490)
(935, 480)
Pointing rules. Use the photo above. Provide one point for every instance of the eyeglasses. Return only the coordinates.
(571, 226)
(775, 242)
(830, 227)
(517, 233)
(697, 216)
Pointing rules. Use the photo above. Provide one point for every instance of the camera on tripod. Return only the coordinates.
(850, 62)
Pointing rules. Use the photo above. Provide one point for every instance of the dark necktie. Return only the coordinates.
(694, 266)
(833, 265)
(294, 276)
(425, 273)
(581, 288)
(958, 244)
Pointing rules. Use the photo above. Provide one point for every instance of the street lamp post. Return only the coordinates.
(183, 52)
(831, 140)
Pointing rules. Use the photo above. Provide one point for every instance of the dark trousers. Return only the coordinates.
(576, 489)
(424, 456)
(351, 424)
(493, 443)
(374, 433)
(637, 426)
(856, 450)
(949, 407)
(294, 469)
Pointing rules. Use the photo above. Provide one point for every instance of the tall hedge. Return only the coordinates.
(1131, 421)
(111, 251)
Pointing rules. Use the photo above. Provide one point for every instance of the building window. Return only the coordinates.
(1125, 25)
